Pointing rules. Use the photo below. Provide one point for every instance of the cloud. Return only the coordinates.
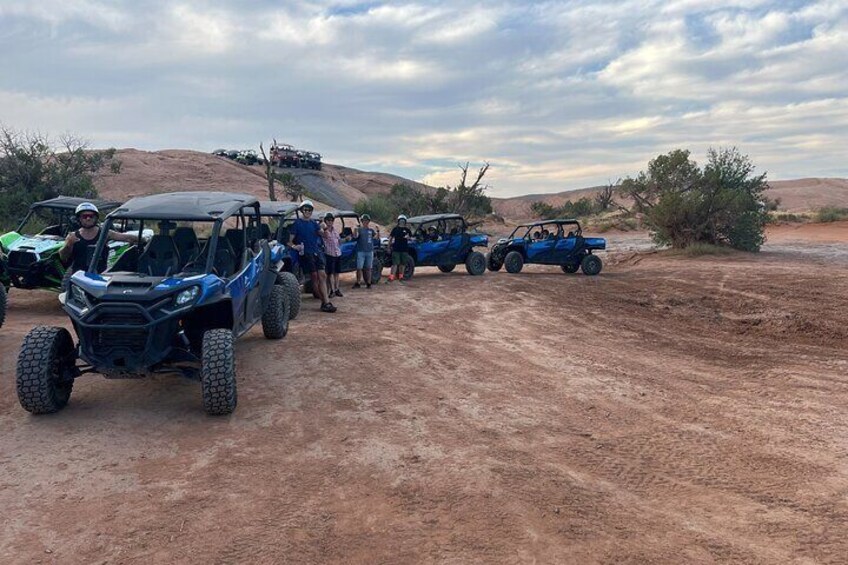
(554, 94)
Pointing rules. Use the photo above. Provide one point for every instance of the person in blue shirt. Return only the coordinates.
(306, 239)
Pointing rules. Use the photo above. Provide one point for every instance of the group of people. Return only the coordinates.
(319, 246)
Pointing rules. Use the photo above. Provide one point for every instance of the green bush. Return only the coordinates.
(721, 204)
(831, 214)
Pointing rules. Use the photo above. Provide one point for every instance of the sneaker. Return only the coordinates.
(357, 285)
(367, 285)
(328, 307)
(339, 293)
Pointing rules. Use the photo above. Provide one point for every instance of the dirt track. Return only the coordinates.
(670, 410)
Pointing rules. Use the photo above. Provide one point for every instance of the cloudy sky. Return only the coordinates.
(556, 95)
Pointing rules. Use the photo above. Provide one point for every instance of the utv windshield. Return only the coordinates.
(181, 247)
(53, 223)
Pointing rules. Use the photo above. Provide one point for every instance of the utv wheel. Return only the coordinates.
(492, 263)
(218, 372)
(475, 263)
(2, 304)
(376, 270)
(45, 373)
(289, 282)
(591, 265)
(275, 318)
(447, 268)
(409, 269)
(570, 268)
(514, 262)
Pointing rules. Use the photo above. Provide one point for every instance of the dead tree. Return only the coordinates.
(269, 174)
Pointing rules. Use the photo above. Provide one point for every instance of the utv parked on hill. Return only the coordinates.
(284, 155)
(311, 160)
(443, 241)
(548, 242)
(173, 305)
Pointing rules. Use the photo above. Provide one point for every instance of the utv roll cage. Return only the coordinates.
(66, 206)
(558, 222)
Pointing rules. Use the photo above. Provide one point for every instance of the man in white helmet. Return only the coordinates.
(399, 246)
(80, 244)
(306, 238)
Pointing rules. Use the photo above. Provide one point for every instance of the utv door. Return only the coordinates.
(567, 246)
(541, 251)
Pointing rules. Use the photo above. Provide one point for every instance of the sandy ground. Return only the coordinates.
(669, 410)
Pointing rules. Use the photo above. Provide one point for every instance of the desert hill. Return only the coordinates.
(146, 172)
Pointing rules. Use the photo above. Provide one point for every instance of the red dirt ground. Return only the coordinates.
(669, 410)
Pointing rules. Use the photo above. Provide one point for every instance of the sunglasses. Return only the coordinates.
(88, 216)
(306, 209)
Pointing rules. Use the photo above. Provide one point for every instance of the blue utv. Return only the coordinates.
(173, 304)
(276, 221)
(443, 241)
(548, 242)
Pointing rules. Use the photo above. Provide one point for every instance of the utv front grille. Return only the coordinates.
(130, 335)
(22, 259)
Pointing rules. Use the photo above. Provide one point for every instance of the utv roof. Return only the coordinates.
(71, 203)
(341, 213)
(433, 218)
(268, 208)
(559, 221)
(189, 206)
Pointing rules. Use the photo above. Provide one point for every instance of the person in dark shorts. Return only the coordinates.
(332, 254)
(80, 244)
(306, 238)
(399, 245)
(364, 236)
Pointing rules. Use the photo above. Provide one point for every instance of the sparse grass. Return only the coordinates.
(701, 249)
(831, 214)
(788, 218)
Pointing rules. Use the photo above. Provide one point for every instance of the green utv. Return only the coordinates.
(32, 261)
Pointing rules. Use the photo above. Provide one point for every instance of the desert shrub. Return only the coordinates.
(571, 209)
(379, 207)
(831, 214)
(683, 204)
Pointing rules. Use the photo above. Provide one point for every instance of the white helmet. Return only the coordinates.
(306, 203)
(402, 217)
(86, 207)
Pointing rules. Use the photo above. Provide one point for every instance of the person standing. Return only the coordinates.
(364, 236)
(399, 246)
(306, 238)
(333, 255)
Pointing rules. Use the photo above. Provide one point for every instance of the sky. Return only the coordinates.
(554, 95)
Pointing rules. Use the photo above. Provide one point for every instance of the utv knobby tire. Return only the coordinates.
(447, 268)
(492, 263)
(44, 380)
(591, 265)
(570, 268)
(289, 282)
(275, 317)
(218, 372)
(409, 269)
(2, 304)
(475, 263)
(513, 262)
(376, 270)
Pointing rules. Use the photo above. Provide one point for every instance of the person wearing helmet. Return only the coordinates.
(80, 244)
(364, 236)
(306, 238)
(399, 246)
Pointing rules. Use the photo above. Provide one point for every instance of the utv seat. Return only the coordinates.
(161, 257)
(187, 244)
(225, 258)
(236, 239)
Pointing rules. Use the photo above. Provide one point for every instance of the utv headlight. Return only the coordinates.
(187, 296)
(78, 295)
